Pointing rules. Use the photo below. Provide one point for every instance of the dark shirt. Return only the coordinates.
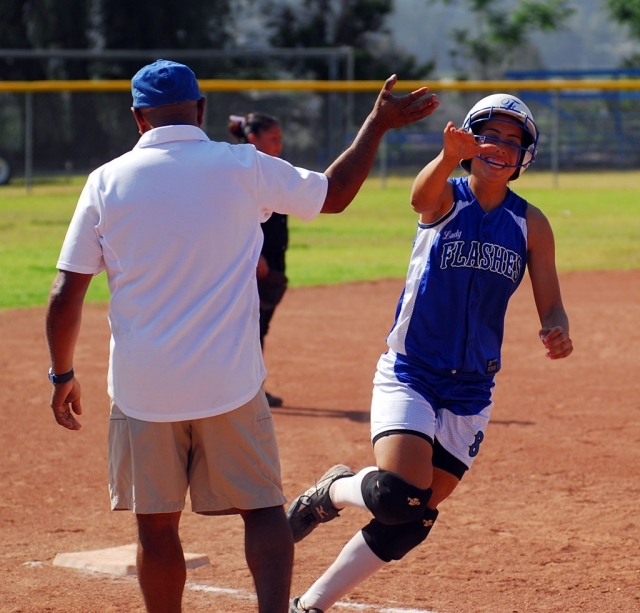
(276, 240)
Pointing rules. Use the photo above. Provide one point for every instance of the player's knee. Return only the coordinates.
(391, 499)
(394, 542)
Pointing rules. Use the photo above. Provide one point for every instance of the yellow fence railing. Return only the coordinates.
(334, 86)
(556, 88)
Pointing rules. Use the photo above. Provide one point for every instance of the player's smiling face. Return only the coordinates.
(507, 136)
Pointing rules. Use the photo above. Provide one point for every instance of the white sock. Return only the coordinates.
(347, 492)
(355, 563)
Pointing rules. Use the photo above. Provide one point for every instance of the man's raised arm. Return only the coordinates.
(347, 174)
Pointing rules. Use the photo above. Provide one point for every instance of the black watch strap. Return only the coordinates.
(60, 379)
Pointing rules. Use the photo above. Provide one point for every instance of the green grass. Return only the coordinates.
(32, 228)
(595, 230)
(595, 217)
(596, 221)
(370, 240)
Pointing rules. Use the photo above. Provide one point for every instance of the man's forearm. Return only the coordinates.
(347, 174)
(64, 317)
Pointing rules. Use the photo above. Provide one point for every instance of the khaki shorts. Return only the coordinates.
(228, 462)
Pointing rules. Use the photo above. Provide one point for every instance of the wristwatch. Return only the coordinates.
(60, 379)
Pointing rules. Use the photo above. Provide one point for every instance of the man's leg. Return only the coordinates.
(269, 552)
(160, 562)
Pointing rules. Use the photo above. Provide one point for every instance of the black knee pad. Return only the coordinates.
(391, 499)
(394, 542)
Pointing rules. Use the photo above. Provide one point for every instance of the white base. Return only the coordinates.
(116, 560)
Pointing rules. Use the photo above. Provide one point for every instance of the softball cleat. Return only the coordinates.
(296, 607)
(314, 506)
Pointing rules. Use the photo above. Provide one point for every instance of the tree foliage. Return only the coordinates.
(626, 13)
(490, 48)
(199, 24)
(149, 24)
(84, 128)
(42, 24)
(334, 23)
(109, 24)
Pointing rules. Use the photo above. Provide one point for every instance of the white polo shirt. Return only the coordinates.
(176, 225)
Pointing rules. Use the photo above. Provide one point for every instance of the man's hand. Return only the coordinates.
(390, 111)
(64, 399)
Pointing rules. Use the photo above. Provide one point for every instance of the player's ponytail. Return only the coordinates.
(254, 123)
(236, 126)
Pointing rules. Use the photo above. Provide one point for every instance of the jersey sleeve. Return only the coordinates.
(289, 190)
(82, 250)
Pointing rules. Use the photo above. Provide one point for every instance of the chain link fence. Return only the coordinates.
(64, 132)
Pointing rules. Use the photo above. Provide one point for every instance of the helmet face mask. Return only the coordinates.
(507, 108)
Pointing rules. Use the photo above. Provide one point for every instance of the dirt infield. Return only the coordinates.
(547, 521)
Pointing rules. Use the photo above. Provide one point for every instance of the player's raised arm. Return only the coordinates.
(431, 194)
(554, 333)
(347, 174)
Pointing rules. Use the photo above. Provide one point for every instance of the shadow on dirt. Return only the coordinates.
(363, 417)
(511, 422)
(357, 416)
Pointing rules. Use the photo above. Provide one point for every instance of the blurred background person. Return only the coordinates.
(264, 132)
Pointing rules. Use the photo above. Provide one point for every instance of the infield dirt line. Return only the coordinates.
(243, 595)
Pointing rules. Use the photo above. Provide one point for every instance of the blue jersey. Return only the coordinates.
(463, 270)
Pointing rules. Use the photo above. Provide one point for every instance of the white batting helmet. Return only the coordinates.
(497, 106)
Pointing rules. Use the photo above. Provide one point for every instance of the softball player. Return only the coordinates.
(265, 134)
(433, 388)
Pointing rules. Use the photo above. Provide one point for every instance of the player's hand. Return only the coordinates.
(65, 398)
(557, 342)
(262, 270)
(461, 144)
(392, 111)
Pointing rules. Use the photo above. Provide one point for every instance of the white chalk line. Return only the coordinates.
(242, 595)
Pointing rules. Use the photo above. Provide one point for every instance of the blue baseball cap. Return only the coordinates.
(164, 82)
